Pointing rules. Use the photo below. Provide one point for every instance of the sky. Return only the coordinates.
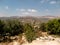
(29, 8)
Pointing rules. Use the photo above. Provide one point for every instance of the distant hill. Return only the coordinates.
(30, 19)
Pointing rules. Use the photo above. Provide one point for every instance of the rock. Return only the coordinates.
(37, 39)
(16, 43)
(42, 38)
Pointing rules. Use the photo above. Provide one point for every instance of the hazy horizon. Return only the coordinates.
(29, 8)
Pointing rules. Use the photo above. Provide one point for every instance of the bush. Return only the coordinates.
(29, 33)
(53, 26)
(15, 27)
(10, 28)
(43, 27)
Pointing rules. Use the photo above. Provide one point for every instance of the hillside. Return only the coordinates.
(30, 18)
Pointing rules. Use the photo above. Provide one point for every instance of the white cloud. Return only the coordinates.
(17, 9)
(53, 2)
(6, 7)
(26, 13)
(29, 10)
(26, 10)
(22, 10)
(44, 1)
(32, 10)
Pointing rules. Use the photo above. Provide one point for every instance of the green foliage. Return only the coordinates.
(10, 28)
(29, 33)
(1, 28)
(53, 26)
(43, 27)
(15, 27)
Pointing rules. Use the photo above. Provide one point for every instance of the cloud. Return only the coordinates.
(29, 11)
(26, 10)
(44, 1)
(17, 9)
(50, 2)
(26, 13)
(22, 10)
(32, 10)
(53, 2)
(6, 7)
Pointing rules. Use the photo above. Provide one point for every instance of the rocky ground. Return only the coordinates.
(39, 41)
(45, 41)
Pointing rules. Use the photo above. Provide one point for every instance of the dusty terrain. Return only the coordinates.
(45, 41)
(39, 41)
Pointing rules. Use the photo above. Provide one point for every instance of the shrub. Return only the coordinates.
(29, 33)
(43, 27)
(10, 28)
(53, 26)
